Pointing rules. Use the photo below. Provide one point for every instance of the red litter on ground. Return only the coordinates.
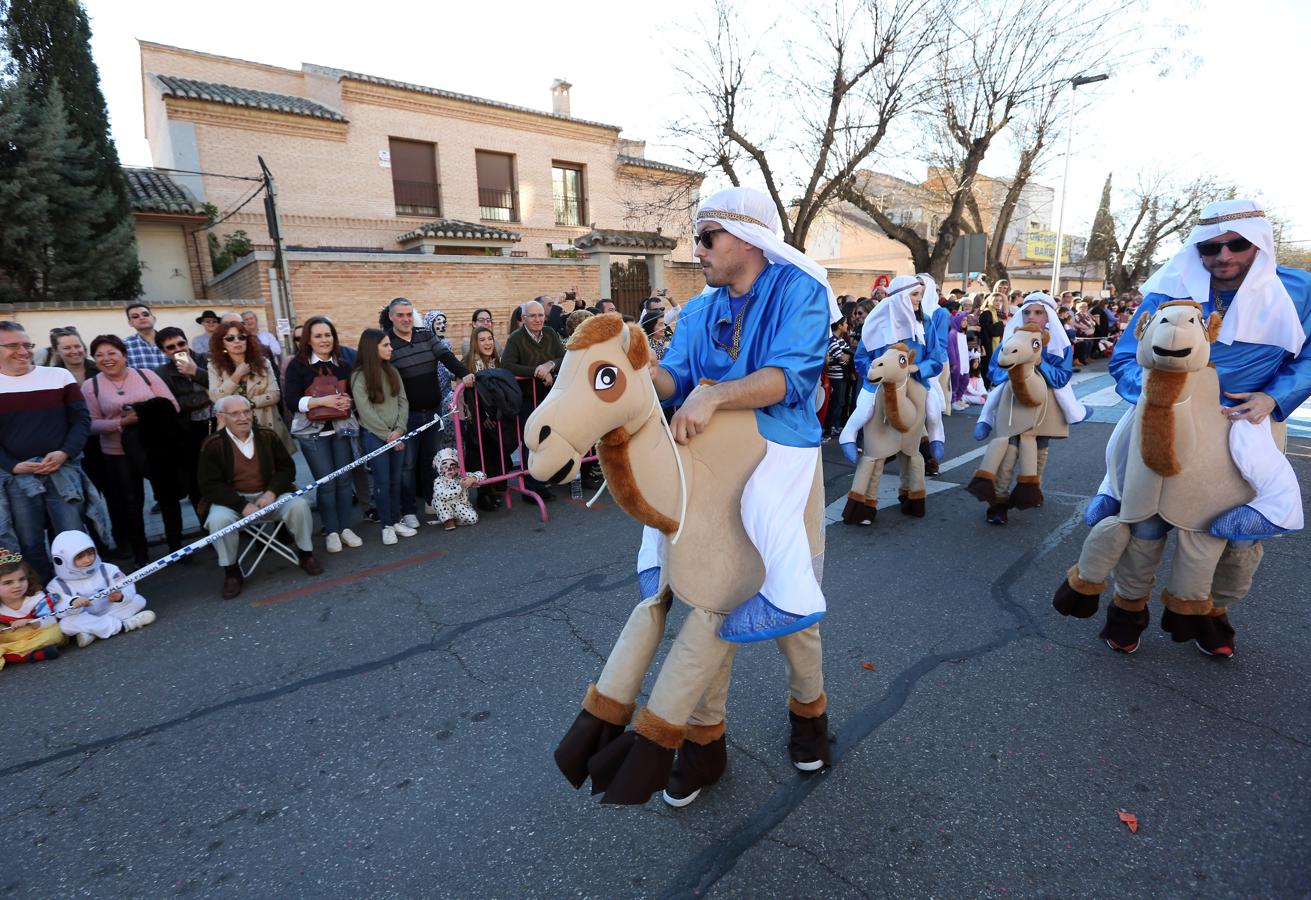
(1130, 820)
(868, 666)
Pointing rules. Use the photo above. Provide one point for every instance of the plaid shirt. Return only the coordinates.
(141, 355)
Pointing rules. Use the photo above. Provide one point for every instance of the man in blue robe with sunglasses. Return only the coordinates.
(1262, 357)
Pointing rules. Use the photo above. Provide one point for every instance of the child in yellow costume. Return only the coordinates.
(28, 630)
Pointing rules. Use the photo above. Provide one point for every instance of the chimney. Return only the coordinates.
(560, 97)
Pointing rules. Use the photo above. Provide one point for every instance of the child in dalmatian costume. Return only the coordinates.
(450, 491)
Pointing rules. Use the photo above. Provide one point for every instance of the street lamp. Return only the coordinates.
(1076, 82)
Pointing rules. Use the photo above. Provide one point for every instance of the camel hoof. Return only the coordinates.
(586, 737)
(982, 488)
(632, 769)
(808, 744)
(857, 512)
(1123, 629)
(1213, 634)
(697, 766)
(1069, 602)
(913, 507)
(1027, 495)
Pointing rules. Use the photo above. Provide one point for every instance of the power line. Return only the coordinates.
(232, 212)
(208, 174)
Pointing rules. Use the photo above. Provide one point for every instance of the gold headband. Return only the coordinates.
(732, 216)
(1229, 217)
(9, 556)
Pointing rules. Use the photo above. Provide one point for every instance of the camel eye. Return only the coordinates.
(1037, 344)
(901, 360)
(606, 378)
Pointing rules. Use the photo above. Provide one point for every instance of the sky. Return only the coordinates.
(1243, 122)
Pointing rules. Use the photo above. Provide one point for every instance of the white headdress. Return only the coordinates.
(1057, 338)
(1261, 312)
(751, 216)
(894, 318)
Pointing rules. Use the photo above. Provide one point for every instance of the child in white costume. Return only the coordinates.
(450, 491)
(80, 576)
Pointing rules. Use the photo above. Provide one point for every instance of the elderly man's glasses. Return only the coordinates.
(19, 345)
(1212, 248)
(707, 237)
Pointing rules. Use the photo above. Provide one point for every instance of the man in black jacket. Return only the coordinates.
(416, 353)
(244, 468)
(187, 375)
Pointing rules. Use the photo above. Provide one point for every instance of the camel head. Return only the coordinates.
(603, 384)
(893, 366)
(1024, 347)
(1177, 337)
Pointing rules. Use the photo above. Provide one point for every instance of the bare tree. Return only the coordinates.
(998, 64)
(802, 105)
(1157, 210)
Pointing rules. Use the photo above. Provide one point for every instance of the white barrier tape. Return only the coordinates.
(165, 561)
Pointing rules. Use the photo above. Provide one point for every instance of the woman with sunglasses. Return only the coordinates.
(238, 365)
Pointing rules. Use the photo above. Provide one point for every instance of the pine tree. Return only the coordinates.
(1102, 237)
(24, 203)
(49, 41)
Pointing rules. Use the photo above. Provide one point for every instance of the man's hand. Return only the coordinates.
(468, 380)
(265, 499)
(186, 365)
(543, 373)
(1255, 408)
(694, 415)
(26, 467)
(51, 463)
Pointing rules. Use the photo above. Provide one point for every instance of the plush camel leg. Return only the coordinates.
(638, 764)
(985, 481)
(862, 500)
(1028, 491)
(609, 704)
(912, 492)
(1234, 574)
(1082, 587)
(1187, 594)
(1135, 576)
(703, 756)
(808, 744)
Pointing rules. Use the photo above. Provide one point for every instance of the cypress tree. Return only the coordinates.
(49, 41)
(1103, 228)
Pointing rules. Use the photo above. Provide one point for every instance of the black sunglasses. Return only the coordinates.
(1212, 248)
(707, 237)
(233, 338)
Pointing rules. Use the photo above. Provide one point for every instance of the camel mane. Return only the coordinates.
(599, 329)
(1036, 329)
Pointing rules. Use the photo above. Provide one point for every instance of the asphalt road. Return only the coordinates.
(386, 729)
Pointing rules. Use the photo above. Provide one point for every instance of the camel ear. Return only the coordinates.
(1213, 327)
(1141, 328)
(635, 345)
(1046, 337)
(910, 357)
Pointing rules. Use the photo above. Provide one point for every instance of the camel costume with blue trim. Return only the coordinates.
(734, 517)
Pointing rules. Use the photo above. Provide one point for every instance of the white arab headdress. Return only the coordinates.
(1057, 338)
(751, 216)
(894, 318)
(1261, 312)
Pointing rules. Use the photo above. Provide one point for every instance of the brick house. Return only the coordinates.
(387, 188)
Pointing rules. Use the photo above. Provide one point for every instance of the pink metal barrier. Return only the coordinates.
(512, 477)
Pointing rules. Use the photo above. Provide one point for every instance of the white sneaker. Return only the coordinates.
(389, 535)
(351, 539)
(140, 620)
(404, 530)
(410, 521)
(333, 542)
(429, 510)
(85, 638)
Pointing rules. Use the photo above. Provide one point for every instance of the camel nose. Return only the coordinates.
(544, 433)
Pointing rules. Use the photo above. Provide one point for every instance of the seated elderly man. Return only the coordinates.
(244, 468)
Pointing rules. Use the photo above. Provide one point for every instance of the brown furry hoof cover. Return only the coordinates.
(631, 769)
(808, 745)
(1027, 495)
(584, 739)
(1210, 632)
(982, 488)
(858, 513)
(1069, 602)
(914, 508)
(697, 766)
(1123, 628)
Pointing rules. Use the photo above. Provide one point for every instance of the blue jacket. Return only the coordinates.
(930, 356)
(1057, 370)
(1243, 368)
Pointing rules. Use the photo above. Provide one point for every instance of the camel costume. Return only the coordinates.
(894, 429)
(734, 518)
(1179, 474)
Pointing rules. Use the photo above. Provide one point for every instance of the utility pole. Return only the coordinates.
(1076, 82)
(287, 308)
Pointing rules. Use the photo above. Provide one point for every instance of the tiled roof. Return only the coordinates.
(342, 74)
(240, 96)
(453, 228)
(152, 191)
(638, 240)
(644, 163)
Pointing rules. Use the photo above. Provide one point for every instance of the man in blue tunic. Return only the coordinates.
(1263, 358)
